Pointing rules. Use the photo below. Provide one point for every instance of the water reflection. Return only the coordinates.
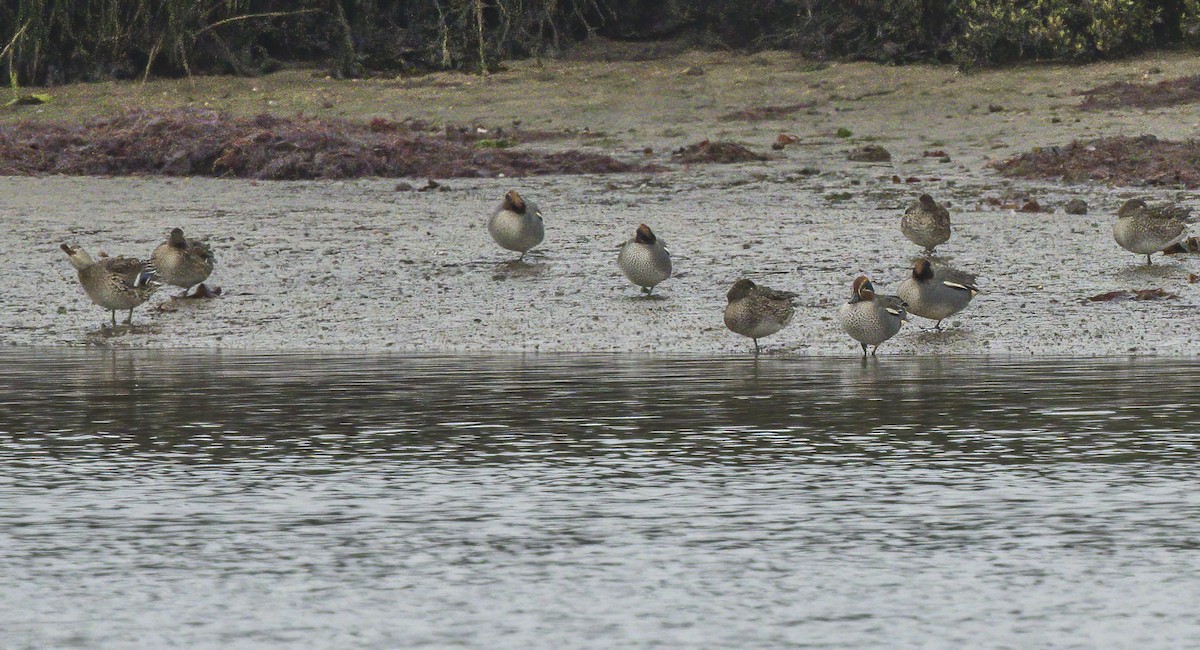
(502, 409)
(164, 499)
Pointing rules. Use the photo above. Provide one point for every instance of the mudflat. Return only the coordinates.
(360, 264)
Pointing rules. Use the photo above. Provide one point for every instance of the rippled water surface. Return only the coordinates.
(213, 500)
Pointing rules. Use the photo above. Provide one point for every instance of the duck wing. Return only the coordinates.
(132, 271)
(201, 249)
(956, 279)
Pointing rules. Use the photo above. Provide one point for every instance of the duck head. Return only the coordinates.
(922, 270)
(740, 289)
(513, 202)
(79, 258)
(645, 235)
(862, 289)
(928, 203)
(177, 239)
(1129, 207)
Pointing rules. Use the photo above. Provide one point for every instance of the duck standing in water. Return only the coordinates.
(645, 259)
(926, 223)
(870, 318)
(517, 224)
(183, 262)
(114, 283)
(1142, 230)
(937, 293)
(756, 311)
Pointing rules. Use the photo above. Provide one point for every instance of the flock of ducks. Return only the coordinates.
(935, 292)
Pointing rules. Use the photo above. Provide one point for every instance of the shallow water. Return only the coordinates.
(202, 500)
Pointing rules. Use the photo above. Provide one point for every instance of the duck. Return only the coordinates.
(756, 311)
(517, 224)
(1144, 231)
(926, 223)
(938, 292)
(871, 318)
(182, 262)
(645, 259)
(114, 283)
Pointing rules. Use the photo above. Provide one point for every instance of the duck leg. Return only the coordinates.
(864, 347)
(874, 350)
(1148, 262)
(129, 320)
(114, 317)
(756, 347)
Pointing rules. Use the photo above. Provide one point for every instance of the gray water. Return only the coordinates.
(199, 500)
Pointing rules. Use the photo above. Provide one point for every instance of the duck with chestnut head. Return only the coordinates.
(871, 318)
(926, 223)
(937, 292)
(645, 259)
(516, 225)
(1142, 230)
(756, 311)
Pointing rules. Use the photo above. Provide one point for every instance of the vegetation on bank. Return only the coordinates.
(55, 41)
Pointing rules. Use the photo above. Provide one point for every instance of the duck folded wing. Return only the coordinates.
(956, 279)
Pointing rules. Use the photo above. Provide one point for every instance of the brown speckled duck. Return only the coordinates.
(926, 223)
(183, 262)
(114, 283)
(1142, 230)
(756, 311)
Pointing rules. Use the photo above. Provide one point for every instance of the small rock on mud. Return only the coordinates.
(707, 151)
(1132, 294)
(869, 153)
(1076, 206)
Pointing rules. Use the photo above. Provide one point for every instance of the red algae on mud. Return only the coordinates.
(1122, 94)
(191, 142)
(1142, 160)
(721, 152)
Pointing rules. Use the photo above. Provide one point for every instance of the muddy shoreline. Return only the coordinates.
(359, 265)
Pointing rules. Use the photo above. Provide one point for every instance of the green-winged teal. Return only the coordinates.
(756, 311)
(1142, 230)
(645, 259)
(517, 224)
(870, 318)
(114, 283)
(926, 223)
(182, 262)
(938, 292)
